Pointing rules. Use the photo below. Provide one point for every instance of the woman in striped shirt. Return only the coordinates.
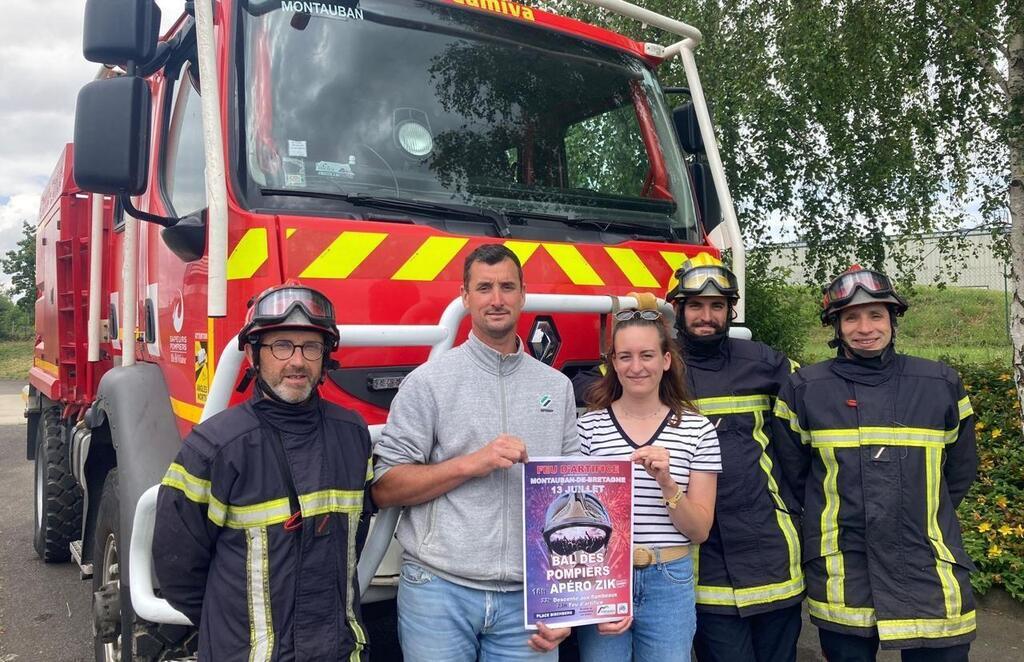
(641, 409)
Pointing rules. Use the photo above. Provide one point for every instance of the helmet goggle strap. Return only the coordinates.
(275, 306)
(842, 289)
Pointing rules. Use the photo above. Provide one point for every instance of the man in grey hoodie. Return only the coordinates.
(452, 451)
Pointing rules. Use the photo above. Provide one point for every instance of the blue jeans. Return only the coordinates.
(441, 621)
(664, 619)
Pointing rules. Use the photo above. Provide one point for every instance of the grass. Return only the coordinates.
(962, 323)
(15, 359)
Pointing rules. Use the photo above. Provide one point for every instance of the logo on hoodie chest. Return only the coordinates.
(545, 403)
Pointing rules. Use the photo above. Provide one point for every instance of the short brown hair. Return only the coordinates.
(490, 254)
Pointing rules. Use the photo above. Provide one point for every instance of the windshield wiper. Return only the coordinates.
(600, 224)
(465, 212)
(642, 228)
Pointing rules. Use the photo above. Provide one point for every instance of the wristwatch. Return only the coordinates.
(673, 501)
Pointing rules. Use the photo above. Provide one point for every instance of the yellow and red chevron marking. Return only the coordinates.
(318, 252)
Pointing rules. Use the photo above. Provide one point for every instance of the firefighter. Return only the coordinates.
(749, 581)
(261, 517)
(879, 449)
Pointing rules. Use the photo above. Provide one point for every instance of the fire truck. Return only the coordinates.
(363, 147)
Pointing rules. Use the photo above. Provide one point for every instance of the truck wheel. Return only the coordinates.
(112, 606)
(58, 499)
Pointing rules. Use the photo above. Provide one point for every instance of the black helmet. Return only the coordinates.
(857, 286)
(290, 306)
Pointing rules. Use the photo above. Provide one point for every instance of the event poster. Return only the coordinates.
(578, 540)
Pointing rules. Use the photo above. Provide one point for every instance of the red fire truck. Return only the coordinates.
(363, 147)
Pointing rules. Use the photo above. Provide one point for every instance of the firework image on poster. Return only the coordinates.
(578, 540)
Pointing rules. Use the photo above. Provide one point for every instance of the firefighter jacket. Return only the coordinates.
(750, 562)
(880, 452)
(258, 589)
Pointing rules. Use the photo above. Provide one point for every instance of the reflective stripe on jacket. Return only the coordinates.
(880, 466)
(750, 562)
(258, 592)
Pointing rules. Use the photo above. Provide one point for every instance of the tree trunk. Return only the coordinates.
(1015, 134)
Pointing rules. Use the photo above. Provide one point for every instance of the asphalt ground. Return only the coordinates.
(45, 610)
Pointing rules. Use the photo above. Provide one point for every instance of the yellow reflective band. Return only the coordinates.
(881, 436)
(263, 514)
(783, 411)
(964, 405)
(927, 628)
(858, 617)
(695, 555)
(46, 366)
(733, 404)
(834, 566)
(573, 264)
(632, 266)
(257, 575)
(344, 254)
(750, 595)
(194, 489)
(277, 511)
(358, 635)
(793, 366)
(430, 258)
(331, 501)
(187, 411)
(944, 569)
(524, 250)
(674, 261)
(781, 512)
(369, 469)
(249, 255)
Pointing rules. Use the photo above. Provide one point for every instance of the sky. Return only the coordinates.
(41, 72)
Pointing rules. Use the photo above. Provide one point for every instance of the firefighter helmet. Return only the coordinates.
(576, 521)
(857, 286)
(703, 275)
(290, 306)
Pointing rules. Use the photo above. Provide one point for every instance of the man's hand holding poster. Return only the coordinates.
(578, 524)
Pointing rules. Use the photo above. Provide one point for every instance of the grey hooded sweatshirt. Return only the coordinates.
(452, 406)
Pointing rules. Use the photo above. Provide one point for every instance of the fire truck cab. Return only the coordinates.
(363, 147)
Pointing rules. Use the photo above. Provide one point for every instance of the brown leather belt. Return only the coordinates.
(645, 556)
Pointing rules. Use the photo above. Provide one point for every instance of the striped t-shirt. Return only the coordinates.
(692, 446)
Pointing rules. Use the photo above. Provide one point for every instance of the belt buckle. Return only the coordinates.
(642, 557)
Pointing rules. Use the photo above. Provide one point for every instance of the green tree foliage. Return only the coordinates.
(777, 313)
(851, 120)
(20, 264)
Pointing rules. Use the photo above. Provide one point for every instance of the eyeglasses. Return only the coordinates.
(285, 349)
(646, 314)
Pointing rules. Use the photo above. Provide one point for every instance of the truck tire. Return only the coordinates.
(112, 605)
(58, 498)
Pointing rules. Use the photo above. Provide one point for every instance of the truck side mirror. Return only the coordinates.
(707, 195)
(187, 238)
(690, 139)
(112, 136)
(688, 129)
(117, 32)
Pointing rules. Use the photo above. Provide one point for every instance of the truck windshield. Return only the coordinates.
(434, 103)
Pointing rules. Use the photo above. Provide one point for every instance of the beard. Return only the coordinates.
(290, 393)
(716, 328)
